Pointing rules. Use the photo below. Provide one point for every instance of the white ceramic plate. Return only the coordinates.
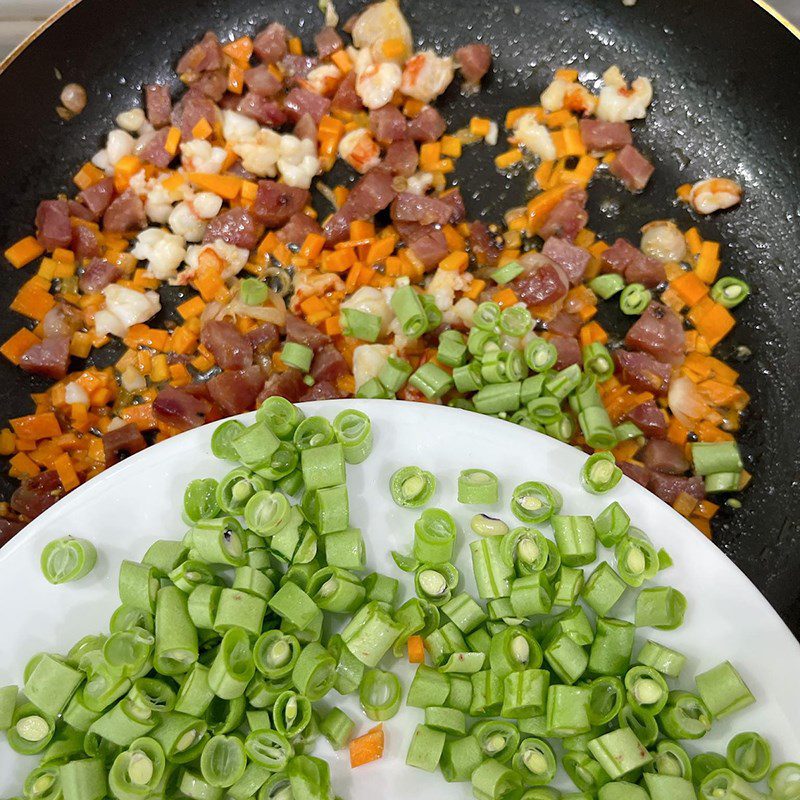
(124, 509)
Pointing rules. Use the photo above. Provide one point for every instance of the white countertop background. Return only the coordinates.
(19, 17)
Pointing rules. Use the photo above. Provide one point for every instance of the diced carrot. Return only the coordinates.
(712, 320)
(183, 341)
(81, 344)
(708, 262)
(88, 175)
(361, 229)
(193, 307)
(142, 335)
(693, 241)
(568, 142)
(173, 140)
(416, 649)
(677, 432)
(514, 114)
(506, 298)
(235, 78)
(394, 48)
(568, 75)
(63, 256)
(541, 205)
(689, 288)
(332, 326)
(21, 466)
(66, 472)
(18, 344)
(543, 174)
(720, 394)
(451, 146)
(7, 442)
(702, 525)
(33, 301)
(683, 192)
(342, 60)
(475, 288)
(455, 262)
(413, 107)
(23, 252)
(340, 195)
(312, 245)
(295, 46)
(203, 129)
(240, 49)
(312, 305)
(179, 375)
(508, 159)
(36, 426)
(338, 261)
(368, 747)
(159, 371)
(226, 186)
(592, 332)
(685, 504)
(141, 415)
(584, 171)
(559, 119)
(480, 126)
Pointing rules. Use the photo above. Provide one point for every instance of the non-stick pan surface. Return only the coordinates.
(726, 103)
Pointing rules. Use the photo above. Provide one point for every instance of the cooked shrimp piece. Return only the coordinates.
(663, 239)
(534, 137)
(426, 76)
(377, 83)
(360, 150)
(324, 79)
(379, 22)
(570, 95)
(310, 283)
(618, 102)
(714, 194)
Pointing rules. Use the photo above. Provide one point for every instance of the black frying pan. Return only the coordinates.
(726, 103)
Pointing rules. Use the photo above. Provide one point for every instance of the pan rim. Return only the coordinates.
(69, 6)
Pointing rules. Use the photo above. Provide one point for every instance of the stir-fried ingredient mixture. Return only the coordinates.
(208, 682)
(383, 288)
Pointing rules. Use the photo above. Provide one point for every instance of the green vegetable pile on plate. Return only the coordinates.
(206, 685)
